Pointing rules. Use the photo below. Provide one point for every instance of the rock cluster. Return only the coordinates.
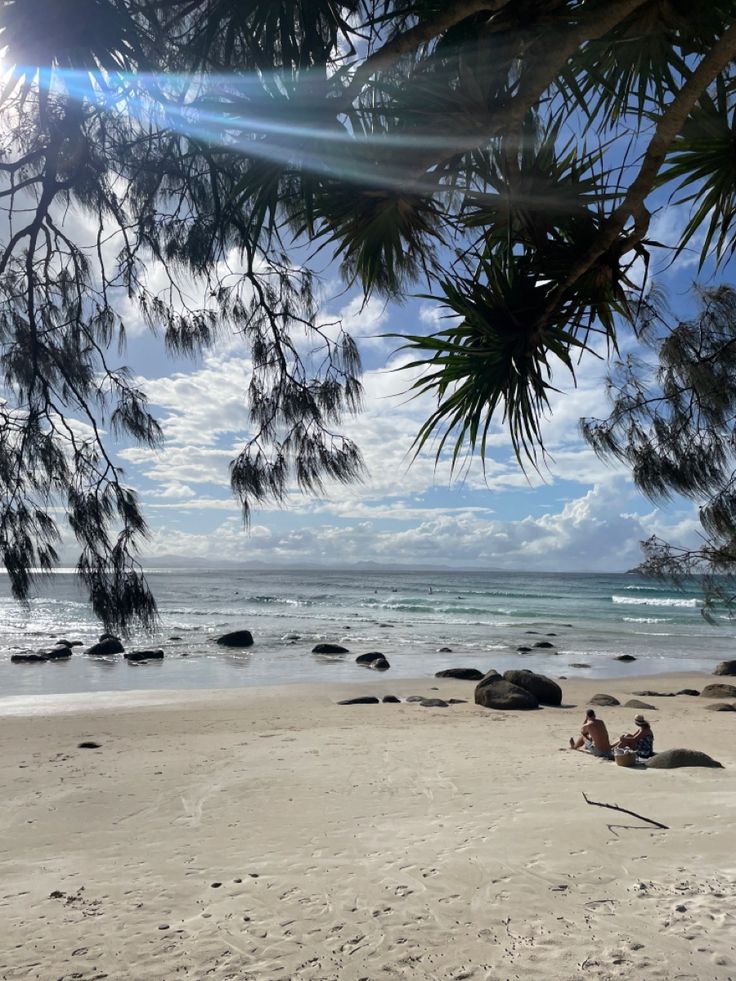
(374, 660)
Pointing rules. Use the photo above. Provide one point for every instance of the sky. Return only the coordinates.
(578, 514)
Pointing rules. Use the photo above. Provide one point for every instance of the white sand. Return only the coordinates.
(379, 841)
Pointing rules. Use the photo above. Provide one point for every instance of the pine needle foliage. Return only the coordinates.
(499, 156)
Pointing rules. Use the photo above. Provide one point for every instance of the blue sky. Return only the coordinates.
(579, 515)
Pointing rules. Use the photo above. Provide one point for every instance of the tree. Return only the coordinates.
(412, 141)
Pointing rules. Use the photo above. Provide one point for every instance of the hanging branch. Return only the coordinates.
(624, 810)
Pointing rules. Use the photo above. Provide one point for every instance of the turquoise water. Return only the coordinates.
(483, 617)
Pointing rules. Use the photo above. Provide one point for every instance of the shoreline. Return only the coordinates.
(270, 834)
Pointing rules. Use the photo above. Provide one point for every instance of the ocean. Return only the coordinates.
(481, 617)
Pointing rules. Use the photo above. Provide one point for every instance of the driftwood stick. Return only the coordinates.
(624, 810)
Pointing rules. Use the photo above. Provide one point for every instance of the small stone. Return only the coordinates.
(253, 875)
(360, 700)
(56, 894)
(237, 880)
(163, 926)
(390, 698)
(680, 909)
(216, 885)
(88, 745)
(625, 657)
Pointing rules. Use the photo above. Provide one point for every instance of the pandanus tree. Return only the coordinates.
(503, 152)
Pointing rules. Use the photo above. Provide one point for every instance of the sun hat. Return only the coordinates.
(640, 720)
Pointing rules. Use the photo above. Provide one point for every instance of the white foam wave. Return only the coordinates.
(656, 601)
(646, 619)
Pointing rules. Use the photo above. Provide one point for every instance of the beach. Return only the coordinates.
(270, 833)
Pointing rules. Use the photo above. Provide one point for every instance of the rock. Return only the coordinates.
(688, 691)
(719, 691)
(69, 643)
(625, 657)
(524, 650)
(390, 698)
(360, 700)
(634, 703)
(88, 745)
(603, 700)
(374, 660)
(415, 698)
(531, 631)
(59, 653)
(111, 645)
(434, 703)
(670, 759)
(28, 657)
(464, 674)
(721, 707)
(580, 664)
(174, 637)
(236, 638)
(655, 694)
(546, 691)
(544, 643)
(551, 635)
(726, 667)
(104, 637)
(329, 649)
(156, 655)
(497, 693)
(445, 650)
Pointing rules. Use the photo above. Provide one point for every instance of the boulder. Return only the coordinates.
(726, 667)
(390, 698)
(670, 759)
(688, 691)
(603, 700)
(155, 655)
(434, 703)
(445, 650)
(719, 691)
(464, 674)
(497, 693)
(360, 700)
(524, 650)
(111, 645)
(544, 643)
(546, 691)
(625, 657)
(28, 657)
(721, 707)
(59, 653)
(635, 703)
(374, 660)
(329, 649)
(236, 638)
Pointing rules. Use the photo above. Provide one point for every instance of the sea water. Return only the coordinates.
(482, 617)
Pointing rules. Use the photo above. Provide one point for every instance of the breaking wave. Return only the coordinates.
(656, 601)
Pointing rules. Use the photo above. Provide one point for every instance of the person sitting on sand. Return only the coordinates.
(642, 740)
(594, 736)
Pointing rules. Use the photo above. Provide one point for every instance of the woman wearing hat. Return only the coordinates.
(642, 740)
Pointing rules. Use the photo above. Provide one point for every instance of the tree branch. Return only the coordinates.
(624, 810)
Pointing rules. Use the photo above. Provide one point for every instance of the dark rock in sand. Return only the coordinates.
(655, 694)
(670, 759)
(497, 693)
(174, 637)
(544, 643)
(546, 691)
(719, 691)
(236, 638)
(445, 650)
(361, 700)
(688, 691)
(580, 664)
(524, 650)
(155, 655)
(457, 701)
(329, 649)
(88, 745)
(106, 647)
(721, 707)
(434, 703)
(726, 667)
(625, 657)
(603, 700)
(28, 657)
(531, 631)
(551, 635)
(374, 660)
(415, 698)
(634, 703)
(390, 698)
(464, 674)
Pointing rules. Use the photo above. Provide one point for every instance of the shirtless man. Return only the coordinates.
(594, 736)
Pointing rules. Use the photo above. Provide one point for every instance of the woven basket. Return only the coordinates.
(625, 758)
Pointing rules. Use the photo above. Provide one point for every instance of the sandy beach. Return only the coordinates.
(273, 834)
